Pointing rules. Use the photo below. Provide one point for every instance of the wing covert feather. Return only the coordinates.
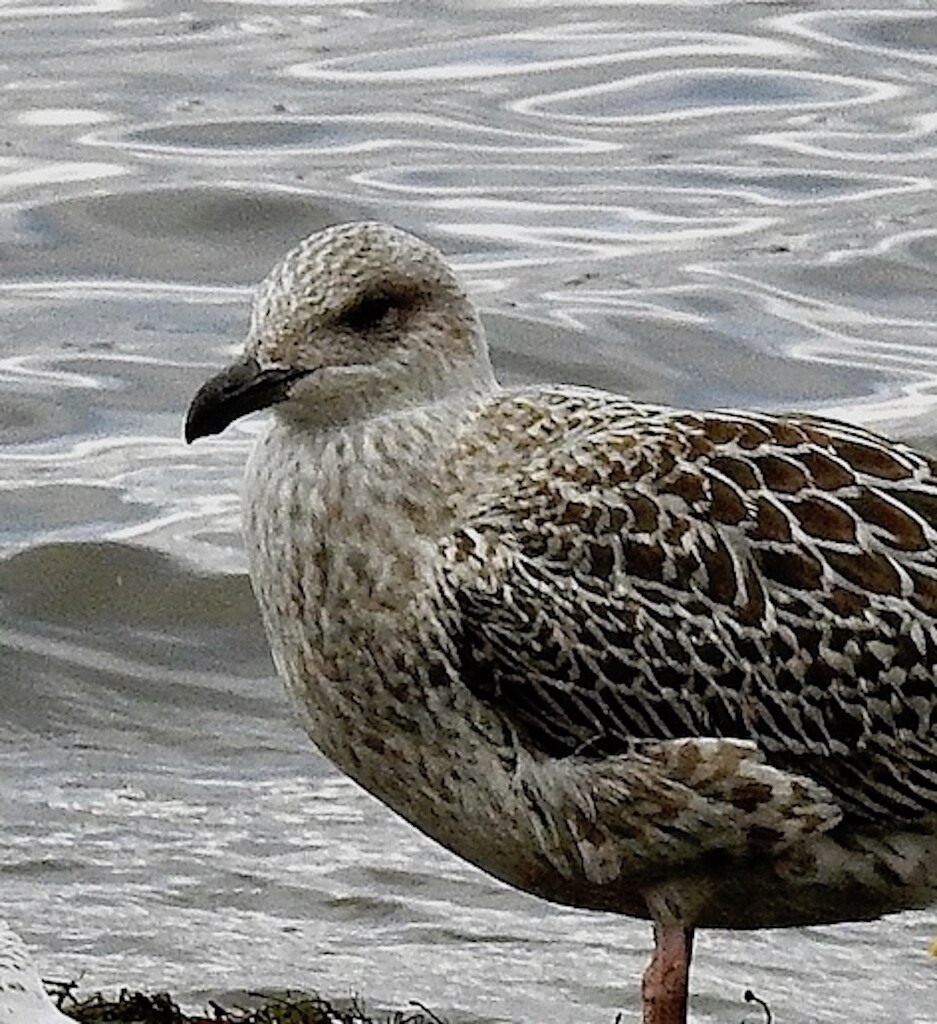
(639, 574)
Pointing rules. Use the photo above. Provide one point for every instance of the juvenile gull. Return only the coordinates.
(23, 1000)
(674, 664)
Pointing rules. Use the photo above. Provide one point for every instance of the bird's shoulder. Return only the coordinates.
(616, 489)
(550, 441)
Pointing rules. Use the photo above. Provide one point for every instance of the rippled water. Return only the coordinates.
(698, 203)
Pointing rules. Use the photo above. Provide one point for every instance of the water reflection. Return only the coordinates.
(705, 92)
(705, 204)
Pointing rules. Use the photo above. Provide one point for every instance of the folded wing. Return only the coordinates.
(639, 574)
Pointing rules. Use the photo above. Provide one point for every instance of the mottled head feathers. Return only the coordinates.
(370, 311)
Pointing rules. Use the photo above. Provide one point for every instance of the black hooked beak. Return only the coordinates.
(242, 388)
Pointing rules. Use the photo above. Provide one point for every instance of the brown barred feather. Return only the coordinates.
(730, 575)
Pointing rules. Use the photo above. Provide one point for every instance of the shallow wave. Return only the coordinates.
(706, 204)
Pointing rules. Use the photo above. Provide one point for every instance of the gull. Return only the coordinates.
(23, 1000)
(670, 663)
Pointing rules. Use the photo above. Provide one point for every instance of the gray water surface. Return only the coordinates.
(698, 203)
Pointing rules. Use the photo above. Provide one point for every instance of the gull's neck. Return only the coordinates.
(341, 522)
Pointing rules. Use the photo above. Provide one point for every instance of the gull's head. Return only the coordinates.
(357, 319)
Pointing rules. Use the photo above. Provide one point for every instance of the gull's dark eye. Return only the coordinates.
(386, 304)
(369, 312)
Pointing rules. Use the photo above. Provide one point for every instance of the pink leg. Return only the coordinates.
(664, 988)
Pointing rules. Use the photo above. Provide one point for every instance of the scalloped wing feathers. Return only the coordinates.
(646, 574)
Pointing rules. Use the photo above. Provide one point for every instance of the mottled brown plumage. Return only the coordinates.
(761, 578)
(674, 664)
